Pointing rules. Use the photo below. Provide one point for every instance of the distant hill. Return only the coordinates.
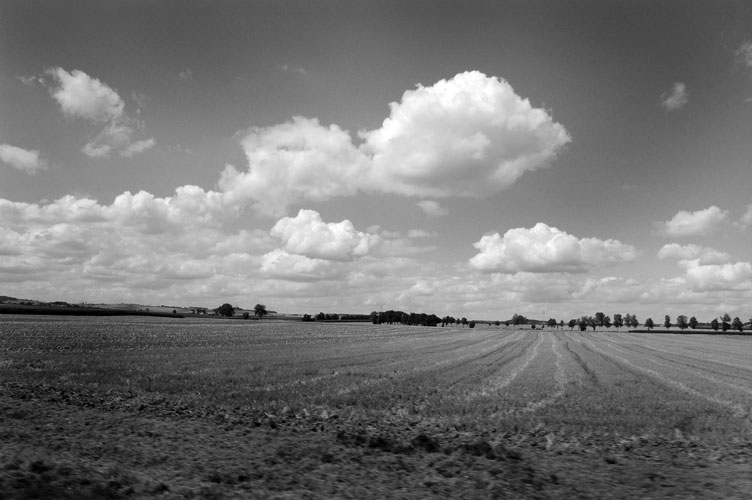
(5, 298)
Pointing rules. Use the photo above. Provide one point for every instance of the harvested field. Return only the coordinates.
(138, 407)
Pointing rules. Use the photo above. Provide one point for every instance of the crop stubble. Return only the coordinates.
(200, 408)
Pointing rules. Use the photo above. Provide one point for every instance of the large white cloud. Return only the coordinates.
(469, 136)
(705, 255)
(80, 95)
(295, 161)
(307, 234)
(546, 249)
(698, 223)
(28, 160)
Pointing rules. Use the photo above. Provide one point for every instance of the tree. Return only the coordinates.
(552, 323)
(737, 324)
(259, 310)
(600, 319)
(246, 315)
(667, 321)
(225, 310)
(693, 323)
(714, 324)
(681, 322)
(497, 323)
(463, 321)
(471, 324)
(635, 321)
(726, 319)
(561, 324)
(649, 323)
(618, 321)
(572, 323)
(607, 322)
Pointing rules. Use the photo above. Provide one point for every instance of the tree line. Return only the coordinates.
(228, 311)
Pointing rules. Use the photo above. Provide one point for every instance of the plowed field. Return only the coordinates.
(151, 407)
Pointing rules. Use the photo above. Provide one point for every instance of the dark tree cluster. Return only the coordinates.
(391, 317)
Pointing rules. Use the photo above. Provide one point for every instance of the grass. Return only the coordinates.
(157, 408)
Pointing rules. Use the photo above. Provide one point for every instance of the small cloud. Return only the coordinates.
(31, 81)
(432, 208)
(746, 220)
(186, 74)
(29, 161)
(138, 147)
(291, 69)
(420, 233)
(698, 223)
(78, 94)
(676, 98)
(744, 53)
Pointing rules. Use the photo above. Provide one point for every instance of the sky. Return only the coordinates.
(477, 159)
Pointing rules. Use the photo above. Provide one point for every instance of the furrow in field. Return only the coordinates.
(560, 384)
(492, 387)
(736, 409)
(421, 365)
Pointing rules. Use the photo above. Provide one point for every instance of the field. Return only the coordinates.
(136, 407)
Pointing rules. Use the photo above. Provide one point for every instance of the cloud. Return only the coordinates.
(704, 255)
(420, 233)
(744, 53)
(698, 223)
(545, 249)
(295, 161)
(308, 235)
(676, 98)
(432, 208)
(138, 147)
(80, 95)
(29, 161)
(470, 136)
(186, 74)
(708, 277)
(746, 219)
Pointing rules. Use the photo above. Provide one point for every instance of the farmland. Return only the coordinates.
(136, 407)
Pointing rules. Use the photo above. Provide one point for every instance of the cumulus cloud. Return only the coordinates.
(308, 235)
(432, 208)
(27, 160)
(708, 277)
(698, 223)
(676, 98)
(546, 249)
(704, 255)
(80, 95)
(469, 136)
(295, 161)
